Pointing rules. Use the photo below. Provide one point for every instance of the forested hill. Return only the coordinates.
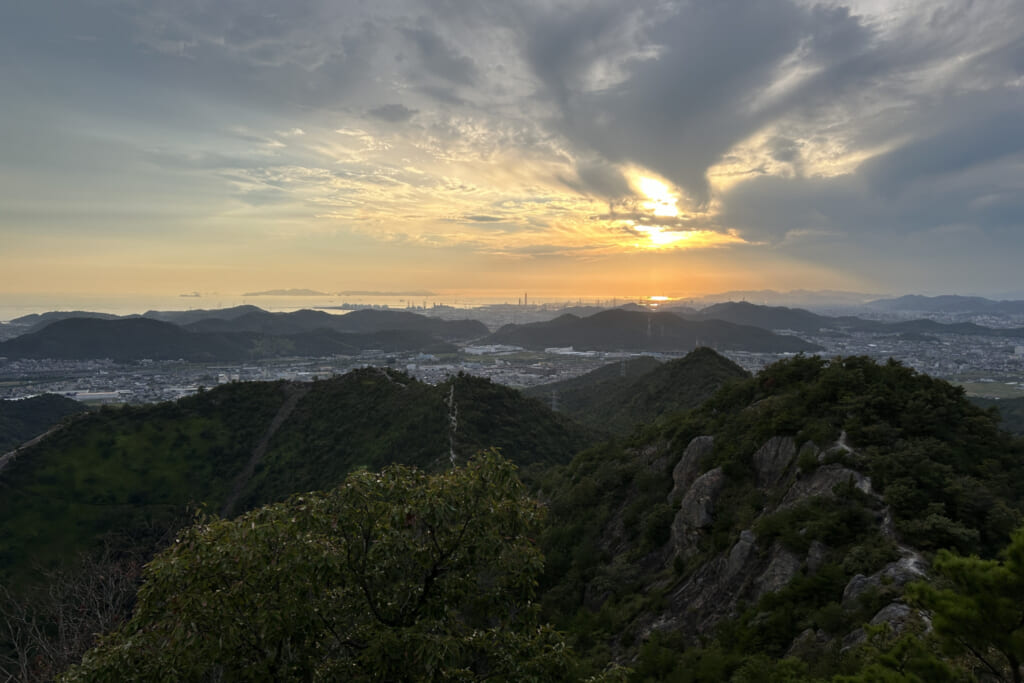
(762, 530)
(820, 521)
(618, 397)
(125, 470)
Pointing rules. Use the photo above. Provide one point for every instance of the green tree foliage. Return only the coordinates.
(30, 417)
(1011, 412)
(399, 575)
(910, 657)
(977, 608)
(617, 398)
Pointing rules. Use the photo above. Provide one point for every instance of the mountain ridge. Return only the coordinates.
(617, 329)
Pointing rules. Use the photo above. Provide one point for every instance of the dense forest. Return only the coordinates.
(837, 520)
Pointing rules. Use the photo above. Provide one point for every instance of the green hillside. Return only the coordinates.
(127, 471)
(618, 397)
(134, 469)
(26, 419)
(373, 417)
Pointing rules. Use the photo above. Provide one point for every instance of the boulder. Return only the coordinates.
(773, 459)
(897, 615)
(893, 576)
(688, 467)
(697, 509)
(781, 569)
(816, 556)
(740, 553)
(822, 481)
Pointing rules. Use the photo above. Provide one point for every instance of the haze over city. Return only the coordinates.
(656, 148)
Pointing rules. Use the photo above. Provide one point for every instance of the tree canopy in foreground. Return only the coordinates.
(397, 575)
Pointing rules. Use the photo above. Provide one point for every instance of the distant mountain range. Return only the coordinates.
(947, 304)
(800, 320)
(249, 332)
(618, 329)
(249, 336)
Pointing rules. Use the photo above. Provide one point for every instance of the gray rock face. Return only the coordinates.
(856, 587)
(816, 556)
(893, 575)
(740, 553)
(896, 614)
(822, 481)
(697, 509)
(688, 467)
(773, 459)
(781, 569)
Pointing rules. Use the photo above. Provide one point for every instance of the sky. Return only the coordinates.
(586, 148)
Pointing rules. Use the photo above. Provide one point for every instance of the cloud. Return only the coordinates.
(439, 58)
(392, 113)
(987, 137)
(868, 127)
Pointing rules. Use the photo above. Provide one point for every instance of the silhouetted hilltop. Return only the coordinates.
(123, 339)
(767, 317)
(191, 316)
(37, 321)
(915, 303)
(132, 339)
(782, 318)
(636, 331)
(369, 320)
(361, 321)
(265, 322)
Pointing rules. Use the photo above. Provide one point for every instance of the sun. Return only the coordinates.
(661, 200)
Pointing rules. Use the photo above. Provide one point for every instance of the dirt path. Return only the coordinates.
(295, 394)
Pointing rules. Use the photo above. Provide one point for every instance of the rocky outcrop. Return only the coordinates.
(892, 576)
(688, 467)
(896, 615)
(740, 553)
(772, 461)
(781, 569)
(822, 481)
(697, 510)
(816, 556)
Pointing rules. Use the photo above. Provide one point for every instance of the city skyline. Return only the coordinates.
(656, 148)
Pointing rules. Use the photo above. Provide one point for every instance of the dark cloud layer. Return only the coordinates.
(873, 127)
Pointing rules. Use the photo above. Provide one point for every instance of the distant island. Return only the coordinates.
(288, 292)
